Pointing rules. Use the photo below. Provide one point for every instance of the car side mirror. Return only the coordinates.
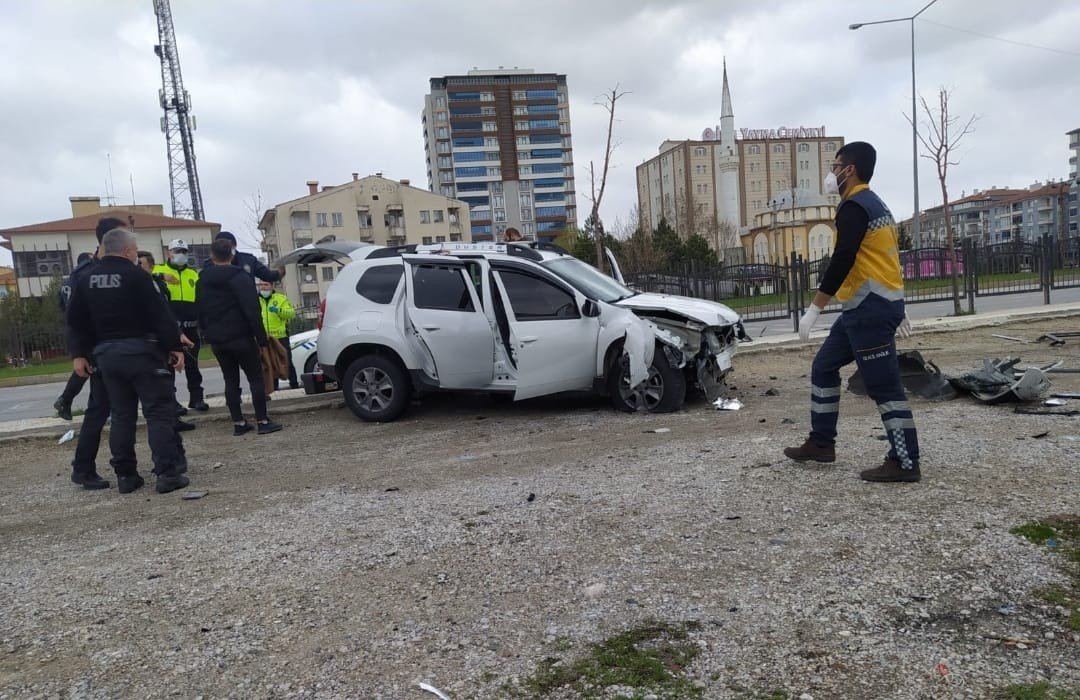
(590, 309)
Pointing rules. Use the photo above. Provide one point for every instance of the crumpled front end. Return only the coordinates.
(708, 350)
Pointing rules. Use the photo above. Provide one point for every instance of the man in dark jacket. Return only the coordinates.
(245, 261)
(229, 317)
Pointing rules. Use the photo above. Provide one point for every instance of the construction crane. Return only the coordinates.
(178, 122)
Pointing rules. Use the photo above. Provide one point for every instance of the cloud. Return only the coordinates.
(284, 93)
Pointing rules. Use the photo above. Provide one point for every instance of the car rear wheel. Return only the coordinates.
(376, 388)
(663, 391)
(311, 363)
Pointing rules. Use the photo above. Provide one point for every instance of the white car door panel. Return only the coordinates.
(553, 344)
(444, 309)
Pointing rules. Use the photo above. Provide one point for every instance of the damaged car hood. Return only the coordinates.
(709, 313)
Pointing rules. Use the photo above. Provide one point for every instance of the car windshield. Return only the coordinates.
(588, 280)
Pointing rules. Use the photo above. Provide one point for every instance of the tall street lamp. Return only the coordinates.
(916, 236)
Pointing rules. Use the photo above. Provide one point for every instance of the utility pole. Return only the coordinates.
(178, 124)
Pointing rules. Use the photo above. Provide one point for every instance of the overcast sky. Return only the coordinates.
(285, 92)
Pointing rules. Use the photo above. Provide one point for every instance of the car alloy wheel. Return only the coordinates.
(645, 396)
(373, 388)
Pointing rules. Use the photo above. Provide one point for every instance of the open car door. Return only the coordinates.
(613, 266)
(443, 306)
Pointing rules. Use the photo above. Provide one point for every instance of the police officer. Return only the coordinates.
(246, 261)
(118, 318)
(147, 262)
(180, 278)
(865, 277)
(276, 312)
(84, 464)
(75, 383)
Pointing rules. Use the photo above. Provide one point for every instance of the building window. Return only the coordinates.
(521, 126)
(490, 126)
(699, 151)
(526, 199)
(804, 148)
(830, 147)
(778, 148)
(320, 219)
(521, 111)
(442, 132)
(496, 188)
(519, 94)
(42, 263)
(440, 116)
(490, 141)
(437, 215)
(494, 172)
(364, 219)
(523, 140)
(498, 201)
(328, 274)
(526, 214)
(523, 171)
(500, 215)
(425, 216)
(525, 185)
(440, 101)
(445, 162)
(337, 219)
(754, 150)
(426, 240)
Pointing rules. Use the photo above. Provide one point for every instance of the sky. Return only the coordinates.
(286, 92)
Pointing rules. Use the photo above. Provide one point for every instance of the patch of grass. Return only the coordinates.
(649, 658)
(1036, 532)
(1038, 691)
(36, 370)
(1061, 534)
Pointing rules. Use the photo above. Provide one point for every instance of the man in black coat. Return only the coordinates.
(229, 316)
(245, 261)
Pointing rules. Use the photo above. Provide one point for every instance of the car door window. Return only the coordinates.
(534, 299)
(379, 283)
(440, 288)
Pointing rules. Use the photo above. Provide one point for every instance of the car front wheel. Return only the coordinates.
(376, 388)
(662, 392)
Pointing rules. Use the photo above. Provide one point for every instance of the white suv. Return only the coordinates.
(507, 319)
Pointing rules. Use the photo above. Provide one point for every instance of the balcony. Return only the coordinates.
(395, 232)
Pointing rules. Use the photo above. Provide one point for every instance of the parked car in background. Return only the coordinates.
(507, 319)
(303, 347)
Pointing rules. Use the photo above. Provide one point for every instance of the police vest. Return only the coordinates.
(877, 265)
(184, 289)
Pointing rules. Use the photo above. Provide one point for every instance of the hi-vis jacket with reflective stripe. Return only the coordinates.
(877, 265)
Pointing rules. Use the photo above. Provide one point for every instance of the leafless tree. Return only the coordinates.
(940, 138)
(253, 207)
(596, 196)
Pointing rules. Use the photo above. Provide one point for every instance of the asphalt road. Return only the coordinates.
(17, 403)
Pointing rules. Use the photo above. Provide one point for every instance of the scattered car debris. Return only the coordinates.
(66, 437)
(919, 377)
(658, 430)
(771, 392)
(787, 421)
(728, 404)
(1054, 339)
(1009, 337)
(994, 383)
(428, 688)
(1055, 402)
(1039, 436)
(194, 495)
(1045, 412)
(1065, 395)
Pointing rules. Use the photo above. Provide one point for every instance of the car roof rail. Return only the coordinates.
(544, 245)
(392, 251)
(520, 251)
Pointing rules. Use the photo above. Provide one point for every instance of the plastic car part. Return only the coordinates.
(919, 377)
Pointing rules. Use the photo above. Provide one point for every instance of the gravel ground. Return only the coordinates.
(472, 539)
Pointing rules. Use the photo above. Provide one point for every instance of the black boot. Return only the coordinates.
(269, 427)
(198, 404)
(90, 481)
(183, 426)
(239, 429)
(129, 483)
(63, 408)
(170, 481)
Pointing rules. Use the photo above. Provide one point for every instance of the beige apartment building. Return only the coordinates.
(718, 185)
(47, 250)
(372, 209)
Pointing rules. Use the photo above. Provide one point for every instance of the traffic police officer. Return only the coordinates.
(865, 277)
(118, 318)
(180, 278)
(277, 311)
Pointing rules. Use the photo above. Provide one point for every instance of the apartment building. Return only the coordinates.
(501, 141)
(718, 185)
(48, 250)
(1074, 185)
(371, 209)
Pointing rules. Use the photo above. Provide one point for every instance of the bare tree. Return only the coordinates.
(596, 196)
(940, 138)
(253, 207)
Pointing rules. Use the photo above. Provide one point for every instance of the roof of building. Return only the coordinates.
(1050, 190)
(81, 224)
(329, 190)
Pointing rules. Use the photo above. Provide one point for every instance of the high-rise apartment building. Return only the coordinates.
(500, 140)
(1074, 185)
(718, 185)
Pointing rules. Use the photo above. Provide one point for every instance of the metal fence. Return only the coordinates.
(769, 291)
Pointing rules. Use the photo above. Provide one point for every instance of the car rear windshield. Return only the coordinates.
(588, 280)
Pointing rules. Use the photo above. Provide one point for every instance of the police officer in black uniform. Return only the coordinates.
(118, 318)
(84, 465)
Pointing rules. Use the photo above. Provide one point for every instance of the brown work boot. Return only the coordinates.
(809, 452)
(890, 470)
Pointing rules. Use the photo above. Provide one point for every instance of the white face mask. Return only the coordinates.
(831, 186)
(265, 293)
(180, 259)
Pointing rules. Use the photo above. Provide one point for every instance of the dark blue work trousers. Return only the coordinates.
(135, 372)
(867, 336)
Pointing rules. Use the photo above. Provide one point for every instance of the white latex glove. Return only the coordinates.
(808, 320)
(904, 329)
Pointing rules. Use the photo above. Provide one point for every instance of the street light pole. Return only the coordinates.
(916, 234)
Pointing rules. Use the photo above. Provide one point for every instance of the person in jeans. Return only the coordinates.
(228, 313)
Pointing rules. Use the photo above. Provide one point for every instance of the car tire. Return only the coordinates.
(311, 363)
(376, 388)
(663, 392)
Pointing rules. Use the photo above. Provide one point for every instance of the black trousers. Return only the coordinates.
(236, 355)
(74, 385)
(134, 372)
(94, 419)
(191, 362)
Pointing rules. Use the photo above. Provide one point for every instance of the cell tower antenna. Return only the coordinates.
(178, 124)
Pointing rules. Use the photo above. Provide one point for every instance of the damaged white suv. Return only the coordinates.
(507, 319)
